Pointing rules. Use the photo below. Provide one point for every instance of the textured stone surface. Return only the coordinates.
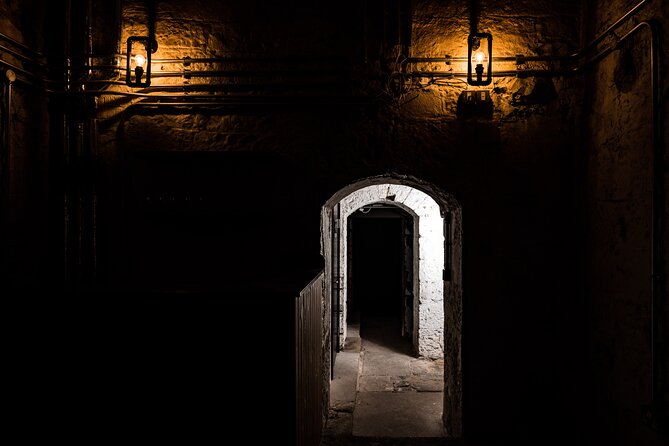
(452, 304)
(502, 171)
(553, 189)
(398, 395)
(344, 384)
(618, 233)
(339, 424)
(397, 414)
(428, 311)
(24, 151)
(375, 383)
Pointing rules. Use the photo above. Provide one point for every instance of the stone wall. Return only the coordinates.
(618, 163)
(438, 311)
(25, 176)
(264, 166)
(428, 337)
(225, 199)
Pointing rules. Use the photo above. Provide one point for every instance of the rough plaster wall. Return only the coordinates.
(510, 174)
(24, 178)
(231, 29)
(618, 243)
(308, 136)
(506, 172)
(439, 28)
(526, 27)
(429, 314)
(326, 252)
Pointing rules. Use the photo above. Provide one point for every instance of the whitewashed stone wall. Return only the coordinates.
(429, 288)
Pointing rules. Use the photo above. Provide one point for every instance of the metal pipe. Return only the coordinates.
(254, 59)
(657, 221)
(103, 67)
(365, 44)
(244, 73)
(152, 24)
(98, 81)
(334, 100)
(509, 73)
(21, 56)
(519, 72)
(518, 59)
(473, 16)
(89, 36)
(611, 48)
(406, 61)
(67, 205)
(87, 189)
(658, 261)
(521, 58)
(656, 210)
(398, 16)
(99, 56)
(206, 98)
(266, 102)
(5, 156)
(610, 29)
(118, 20)
(212, 87)
(448, 59)
(180, 88)
(17, 69)
(132, 94)
(39, 88)
(10, 77)
(90, 55)
(18, 44)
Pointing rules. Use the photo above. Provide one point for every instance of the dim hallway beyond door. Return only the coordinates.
(383, 394)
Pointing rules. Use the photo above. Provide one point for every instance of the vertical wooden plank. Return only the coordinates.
(308, 331)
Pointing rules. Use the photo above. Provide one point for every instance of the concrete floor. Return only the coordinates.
(381, 394)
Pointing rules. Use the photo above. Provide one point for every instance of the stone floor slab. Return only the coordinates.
(343, 386)
(385, 364)
(376, 383)
(404, 414)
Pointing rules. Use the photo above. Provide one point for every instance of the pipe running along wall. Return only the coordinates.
(39, 82)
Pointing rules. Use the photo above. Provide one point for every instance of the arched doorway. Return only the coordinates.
(436, 285)
(380, 271)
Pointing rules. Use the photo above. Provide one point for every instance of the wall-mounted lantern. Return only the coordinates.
(138, 62)
(479, 68)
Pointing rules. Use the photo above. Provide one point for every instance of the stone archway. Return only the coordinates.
(428, 266)
(437, 290)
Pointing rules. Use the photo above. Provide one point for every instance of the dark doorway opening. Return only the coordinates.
(380, 272)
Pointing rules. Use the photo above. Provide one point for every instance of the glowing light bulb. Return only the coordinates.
(479, 57)
(140, 60)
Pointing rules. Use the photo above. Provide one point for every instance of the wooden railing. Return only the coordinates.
(309, 363)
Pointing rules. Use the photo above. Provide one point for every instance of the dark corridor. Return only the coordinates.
(212, 198)
(377, 266)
